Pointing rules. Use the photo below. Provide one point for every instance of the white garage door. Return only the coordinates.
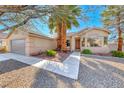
(18, 46)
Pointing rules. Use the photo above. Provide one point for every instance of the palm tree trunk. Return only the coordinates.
(58, 35)
(120, 39)
(63, 37)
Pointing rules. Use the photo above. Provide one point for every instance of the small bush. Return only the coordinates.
(86, 51)
(112, 51)
(51, 52)
(3, 49)
(118, 54)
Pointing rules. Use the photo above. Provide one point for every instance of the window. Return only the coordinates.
(68, 43)
(94, 42)
(83, 42)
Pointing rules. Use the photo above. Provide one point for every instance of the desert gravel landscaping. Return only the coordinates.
(59, 57)
(95, 72)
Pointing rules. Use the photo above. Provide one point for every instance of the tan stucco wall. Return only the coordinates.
(37, 44)
(33, 43)
(92, 33)
(17, 34)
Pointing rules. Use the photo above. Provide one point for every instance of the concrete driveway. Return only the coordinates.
(94, 72)
(69, 67)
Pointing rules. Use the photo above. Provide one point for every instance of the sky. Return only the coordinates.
(94, 20)
(94, 15)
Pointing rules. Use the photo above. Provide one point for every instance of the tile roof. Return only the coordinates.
(27, 28)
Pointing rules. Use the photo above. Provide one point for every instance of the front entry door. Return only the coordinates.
(77, 43)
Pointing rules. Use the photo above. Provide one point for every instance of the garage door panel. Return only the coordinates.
(18, 46)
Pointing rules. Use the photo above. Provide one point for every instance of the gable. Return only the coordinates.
(17, 34)
(95, 33)
(91, 32)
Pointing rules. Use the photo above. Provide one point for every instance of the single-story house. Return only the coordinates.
(95, 39)
(28, 42)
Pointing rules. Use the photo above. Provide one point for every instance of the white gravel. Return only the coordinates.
(94, 72)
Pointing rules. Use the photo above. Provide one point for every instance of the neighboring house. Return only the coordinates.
(113, 45)
(95, 39)
(27, 42)
(2, 39)
(2, 42)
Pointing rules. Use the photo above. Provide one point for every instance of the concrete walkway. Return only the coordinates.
(69, 68)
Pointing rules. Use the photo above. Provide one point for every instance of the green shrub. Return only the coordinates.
(86, 51)
(118, 54)
(112, 51)
(51, 52)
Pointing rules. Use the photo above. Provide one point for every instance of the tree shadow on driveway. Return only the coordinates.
(101, 73)
(46, 79)
(93, 73)
(11, 65)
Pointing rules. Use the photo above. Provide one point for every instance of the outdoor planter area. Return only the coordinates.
(53, 55)
(105, 54)
(119, 54)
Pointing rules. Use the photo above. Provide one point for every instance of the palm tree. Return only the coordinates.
(113, 17)
(63, 18)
